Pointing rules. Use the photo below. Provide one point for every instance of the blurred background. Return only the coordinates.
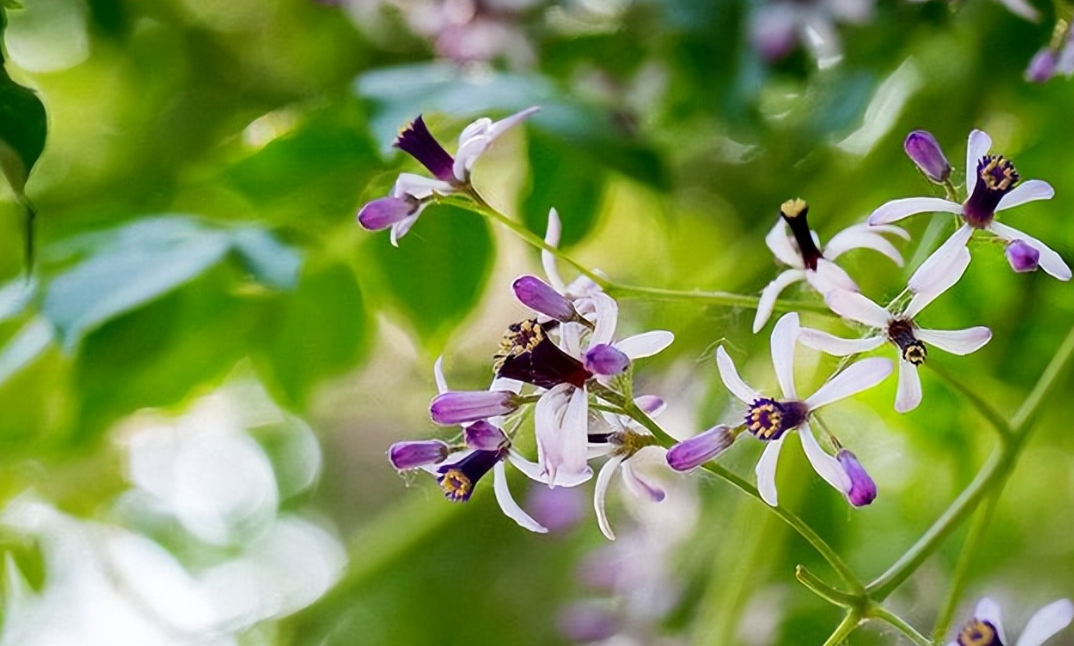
(199, 385)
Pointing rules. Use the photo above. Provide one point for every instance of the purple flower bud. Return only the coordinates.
(649, 404)
(383, 213)
(1023, 258)
(862, 488)
(925, 152)
(1042, 66)
(484, 436)
(539, 296)
(559, 509)
(458, 407)
(700, 448)
(586, 623)
(410, 455)
(607, 360)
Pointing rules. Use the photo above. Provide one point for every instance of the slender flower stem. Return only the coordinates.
(978, 527)
(885, 615)
(850, 622)
(825, 591)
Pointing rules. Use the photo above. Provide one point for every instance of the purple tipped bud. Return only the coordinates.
(411, 455)
(862, 488)
(586, 623)
(700, 448)
(606, 360)
(383, 213)
(484, 436)
(1023, 258)
(925, 152)
(1042, 66)
(459, 407)
(649, 404)
(539, 296)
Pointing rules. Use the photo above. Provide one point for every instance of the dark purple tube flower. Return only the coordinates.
(606, 360)
(923, 149)
(527, 354)
(794, 213)
(416, 140)
(458, 480)
(1042, 66)
(459, 407)
(539, 296)
(411, 455)
(1022, 257)
(692, 453)
(862, 488)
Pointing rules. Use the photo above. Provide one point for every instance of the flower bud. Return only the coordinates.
(1041, 67)
(586, 623)
(1022, 257)
(862, 488)
(923, 149)
(700, 448)
(458, 407)
(649, 404)
(484, 436)
(383, 213)
(606, 360)
(539, 296)
(410, 455)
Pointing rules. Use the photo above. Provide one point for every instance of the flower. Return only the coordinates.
(770, 419)
(985, 628)
(923, 149)
(412, 193)
(776, 28)
(808, 262)
(996, 187)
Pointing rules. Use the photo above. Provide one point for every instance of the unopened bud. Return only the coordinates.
(923, 149)
(606, 360)
(411, 455)
(1022, 257)
(701, 448)
(539, 296)
(862, 488)
(459, 407)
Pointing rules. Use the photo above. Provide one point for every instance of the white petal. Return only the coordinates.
(438, 375)
(861, 238)
(638, 484)
(821, 39)
(531, 469)
(1022, 8)
(420, 187)
(499, 127)
(548, 260)
(478, 128)
(857, 377)
(896, 210)
(784, 339)
(988, 610)
(1046, 622)
(854, 306)
(888, 228)
(477, 137)
(402, 227)
(908, 395)
(931, 284)
(840, 347)
(766, 472)
(941, 260)
(607, 319)
(1027, 191)
(646, 344)
(829, 276)
(507, 502)
(560, 420)
(771, 293)
(977, 147)
(825, 465)
(779, 241)
(958, 342)
(730, 378)
(600, 492)
(1049, 261)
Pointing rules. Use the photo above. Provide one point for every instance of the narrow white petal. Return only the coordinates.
(575, 437)
(977, 147)
(931, 284)
(771, 293)
(829, 276)
(730, 378)
(638, 484)
(1022, 9)
(958, 342)
(988, 610)
(401, 228)
(438, 375)
(420, 187)
(840, 347)
(1028, 191)
(548, 260)
(1046, 622)
(779, 241)
(531, 469)
(860, 238)
(646, 344)
(479, 128)
(766, 472)
(507, 502)
(1050, 261)
(896, 210)
(908, 395)
(941, 260)
(607, 319)
(784, 339)
(600, 492)
(888, 228)
(501, 126)
(467, 154)
(548, 427)
(825, 465)
(854, 306)
(857, 377)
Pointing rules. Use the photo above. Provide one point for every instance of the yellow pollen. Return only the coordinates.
(977, 633)
(519, 339)
(757, 426)
(915, 353)
(793, 208)
(1009, 177)
(456, 485)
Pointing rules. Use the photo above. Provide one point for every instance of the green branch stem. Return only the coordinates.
(849, 624)
(883, 614)
(966, 558)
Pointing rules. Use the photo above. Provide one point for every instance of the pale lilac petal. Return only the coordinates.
(401, 228)
(771, 293)
(1028, 191)
(600, 492)
(507, 502)
(779, 241)
(548, 260)
(857, 377)
(1022, 9)
(499, 127)
(607, 318)
(1050, 261)
(531, 469)
(958, 342)
(553, 430)
(889, 228)
(858, 237)
(784, 339)
(646, 344)
(896, 210)
(840, 347)
(1046, 622)
(854, 306)
(828, 277)
(908, 395)
(988, 610)
(931, 284)
(826, 466)
(730, 378)
(640, 470)
(977, 146)
(438, 375)
(941, 261)
(766, 472)
(477, 137)
(420, 187)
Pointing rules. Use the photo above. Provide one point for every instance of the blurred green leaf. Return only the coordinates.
(573, 184)
(15, 296)
(271, 262)
(27, 344)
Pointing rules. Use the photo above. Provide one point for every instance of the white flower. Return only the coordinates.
(985, 628)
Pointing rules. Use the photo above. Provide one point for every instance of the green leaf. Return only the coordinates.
(271, 262)
(571, 183)
(437, 274)
(27, 344)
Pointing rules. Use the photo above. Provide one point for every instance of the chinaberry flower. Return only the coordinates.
(769, 419)
(414, 454)
(900, 330)
(802, 252)
(412, 193)
(699, 449)
(985, 628)
(993, 185)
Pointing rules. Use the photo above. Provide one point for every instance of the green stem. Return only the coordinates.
(885, 615)
(825, 591)
(850, 622)
(966, 558)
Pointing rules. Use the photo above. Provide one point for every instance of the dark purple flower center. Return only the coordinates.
(416, 140)
(794, 213)
(527, 354)
(458, 479)
(901, 333)
(769, 419)
(996, 176)
(978, 633)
